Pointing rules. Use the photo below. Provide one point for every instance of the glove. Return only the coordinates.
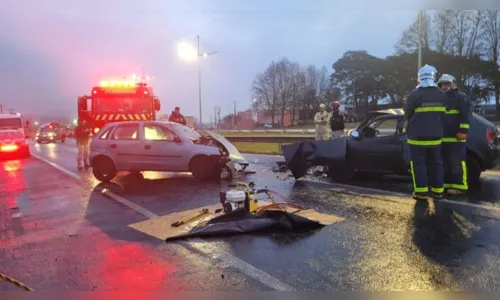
(461, 136)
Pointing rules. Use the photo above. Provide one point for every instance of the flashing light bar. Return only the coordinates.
(118, 84)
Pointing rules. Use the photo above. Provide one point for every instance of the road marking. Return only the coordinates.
(207, 249)
(148, 214)
(65, 171)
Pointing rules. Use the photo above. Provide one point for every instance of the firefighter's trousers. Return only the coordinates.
(455, 166)
(83, 152)
(426, 167)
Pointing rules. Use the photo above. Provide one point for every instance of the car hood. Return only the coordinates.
(234, 154)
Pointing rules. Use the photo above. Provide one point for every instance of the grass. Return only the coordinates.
(259, 148)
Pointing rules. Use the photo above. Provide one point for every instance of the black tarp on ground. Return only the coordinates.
(299, 157)
(241, 221)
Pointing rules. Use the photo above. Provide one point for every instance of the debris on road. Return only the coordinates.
(241, 213)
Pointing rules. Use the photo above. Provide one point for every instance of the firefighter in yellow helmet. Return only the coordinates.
(455, 136)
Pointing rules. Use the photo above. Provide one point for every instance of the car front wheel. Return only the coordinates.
(204, 168)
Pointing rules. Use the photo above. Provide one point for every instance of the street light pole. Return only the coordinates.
(420, 33)
(199, 77)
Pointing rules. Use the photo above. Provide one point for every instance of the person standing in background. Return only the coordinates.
(177, 117)
(337, 124)
(82, 136)
(321, 121)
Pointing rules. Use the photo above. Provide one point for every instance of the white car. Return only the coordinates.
(162, 146)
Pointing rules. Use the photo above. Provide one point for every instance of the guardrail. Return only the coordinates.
(299, 131)
(269, 139)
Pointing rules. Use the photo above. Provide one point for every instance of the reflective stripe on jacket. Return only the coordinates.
(425, 109)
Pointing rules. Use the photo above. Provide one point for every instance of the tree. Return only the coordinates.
(491, 40)
(265, 91)
(408, 42)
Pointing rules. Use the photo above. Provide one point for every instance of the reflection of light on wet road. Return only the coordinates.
(12, 166)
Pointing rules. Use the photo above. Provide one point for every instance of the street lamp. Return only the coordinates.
(187, 51)
(420, 37)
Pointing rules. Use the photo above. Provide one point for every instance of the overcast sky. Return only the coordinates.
(52, 51)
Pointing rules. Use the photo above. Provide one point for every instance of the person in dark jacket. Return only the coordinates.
(82, 136)
(424, 110)
(337, 124)
(455, 136)
(177, 117)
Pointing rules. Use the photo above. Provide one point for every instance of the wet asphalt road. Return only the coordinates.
(59, 232)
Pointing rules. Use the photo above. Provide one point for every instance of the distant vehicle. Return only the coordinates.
(10, 121)
(268, 125)
(378, 145)
(162, 146)
(114, 101)
(13, 144)
(51, 132)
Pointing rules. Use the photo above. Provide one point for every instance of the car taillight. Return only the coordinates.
(9, 148)
(490, 136)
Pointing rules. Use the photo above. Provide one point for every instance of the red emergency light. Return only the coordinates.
(9, 148)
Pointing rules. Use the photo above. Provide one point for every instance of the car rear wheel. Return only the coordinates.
(204, 168)
(104, 169)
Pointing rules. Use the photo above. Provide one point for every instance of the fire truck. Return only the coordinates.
(117, 101)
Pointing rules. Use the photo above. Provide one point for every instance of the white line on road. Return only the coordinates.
(207, 249)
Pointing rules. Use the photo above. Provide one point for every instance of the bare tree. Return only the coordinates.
(286, 80)
(265, 91)
(465, 29)
(408, 42)
(491, 38)
(441, 33)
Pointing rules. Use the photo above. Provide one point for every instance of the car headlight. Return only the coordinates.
(51, 134)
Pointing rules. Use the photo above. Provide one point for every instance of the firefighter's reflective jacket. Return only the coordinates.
(457, 115)
(425, 109)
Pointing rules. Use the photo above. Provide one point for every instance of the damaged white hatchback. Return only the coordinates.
(137, 146)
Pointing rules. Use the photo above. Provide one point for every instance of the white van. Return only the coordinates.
(9, 121)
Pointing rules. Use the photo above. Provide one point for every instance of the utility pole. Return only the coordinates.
(420, 37)
(234, 116)
(12, 111)
(199, 77)
(1, 108)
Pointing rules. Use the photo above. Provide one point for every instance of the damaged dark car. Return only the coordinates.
(378, 146)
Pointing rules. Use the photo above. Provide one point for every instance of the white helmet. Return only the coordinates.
(447, 78)
(427, 76)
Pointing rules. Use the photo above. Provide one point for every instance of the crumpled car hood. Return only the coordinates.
(234, 154)
(299, 157)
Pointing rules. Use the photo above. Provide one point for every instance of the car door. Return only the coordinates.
(381, 152)
(125, 147)
(164, 151)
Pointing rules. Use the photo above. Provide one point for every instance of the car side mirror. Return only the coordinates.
(355, 134)
(177, 140)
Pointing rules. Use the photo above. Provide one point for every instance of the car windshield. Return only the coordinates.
(185, 131)
(11, 122)
(10, 135)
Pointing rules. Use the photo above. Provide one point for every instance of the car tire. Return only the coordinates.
(473, 171)
(203, 168)
(342, 174)
(104, 169)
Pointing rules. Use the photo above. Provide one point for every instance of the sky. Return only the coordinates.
(53, 51)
